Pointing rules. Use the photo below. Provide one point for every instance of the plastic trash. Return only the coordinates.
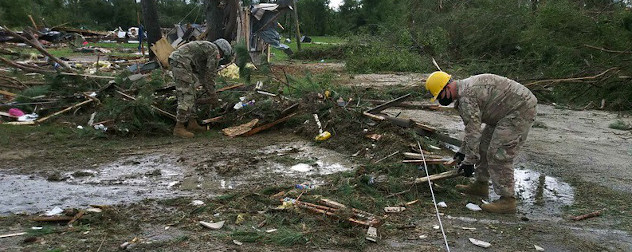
(55, 211)
(305, 186)
(442, 204)
(100, 127)
(473, 207)
(28, 117)
(480, 243)
(323, 136)
(16, 112)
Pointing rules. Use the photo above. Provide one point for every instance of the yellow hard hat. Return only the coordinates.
(436, 82)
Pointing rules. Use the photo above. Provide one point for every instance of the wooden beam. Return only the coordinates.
(389, 104)
(64, 110)
(443, 161)
(269, 125)
(436, 177)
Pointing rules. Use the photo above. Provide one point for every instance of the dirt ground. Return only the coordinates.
(572, 164)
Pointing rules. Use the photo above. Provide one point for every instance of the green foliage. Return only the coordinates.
(620, 125)
(334, 52)
(95, 14)
(368, 54)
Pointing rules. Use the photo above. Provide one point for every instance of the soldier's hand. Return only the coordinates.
(468, 170)
(459, 157)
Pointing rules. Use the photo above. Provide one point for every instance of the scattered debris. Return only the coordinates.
(394, 209)
(323, 136)
(442, 204)
(212, 225)
(12, 235)
(271, 230)
(240, 218)
(238, 243)
(423, 236)
(412, 202)
(473, 207)
(586, 216)
(375, 137)
(357, 216)
(94, 210)
(480, 243)
(440, 176)
(371, 234)
(240, 129)
(538, 248)
(468, 228)
(197, 203)
(55, 211)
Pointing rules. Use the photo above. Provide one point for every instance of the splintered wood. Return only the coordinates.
(162, 49)
(340, 211)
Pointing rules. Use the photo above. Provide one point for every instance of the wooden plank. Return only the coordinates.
(230, 87)
(162, 49)
(443, 161)
(20, 123)
(7, 93)
(64, 110)
(331, 203)
(269, 125)
(389, 104)
(53, 218)
(435, 177)
(12, 235)
(413, 155)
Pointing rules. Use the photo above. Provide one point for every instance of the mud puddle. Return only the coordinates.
(280, 164)
(540, 197)
(129, 180)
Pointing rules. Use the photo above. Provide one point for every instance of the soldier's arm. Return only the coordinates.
(209, 75)
(471, 115)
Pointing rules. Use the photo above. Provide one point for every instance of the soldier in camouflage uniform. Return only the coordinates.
(195, 64)
(508, 110)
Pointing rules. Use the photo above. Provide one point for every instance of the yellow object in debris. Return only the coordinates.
(327, 94)
(230, 72)
(240, 218)
(323, 136)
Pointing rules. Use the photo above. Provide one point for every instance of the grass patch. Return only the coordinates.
(620, 125)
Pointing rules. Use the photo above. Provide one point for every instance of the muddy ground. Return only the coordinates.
(572, 164)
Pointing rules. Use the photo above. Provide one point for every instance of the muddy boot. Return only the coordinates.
(477, 189)
(504, 205)
(180, 131)
(194, 126)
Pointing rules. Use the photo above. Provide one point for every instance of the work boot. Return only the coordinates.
(180, 131)
(477, 189)
(504, 205)
(194, 126)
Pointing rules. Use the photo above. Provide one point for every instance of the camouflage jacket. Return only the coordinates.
(201, 56)
(487, 98)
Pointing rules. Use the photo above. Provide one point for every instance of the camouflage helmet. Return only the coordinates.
(227, 50)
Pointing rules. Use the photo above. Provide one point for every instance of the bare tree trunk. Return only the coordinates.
(221, 19)
(152, 26)
(214, 20)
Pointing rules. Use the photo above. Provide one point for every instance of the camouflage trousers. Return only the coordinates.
(186, 84)
(499, 145)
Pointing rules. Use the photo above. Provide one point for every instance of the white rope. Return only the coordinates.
(434, 201)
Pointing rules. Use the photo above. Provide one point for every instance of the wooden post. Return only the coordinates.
(269, 54)
(298, 30)
(33, 22)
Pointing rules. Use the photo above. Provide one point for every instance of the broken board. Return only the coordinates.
(162, 49)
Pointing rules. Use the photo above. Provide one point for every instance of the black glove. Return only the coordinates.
(459, 157)
(468, 170)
